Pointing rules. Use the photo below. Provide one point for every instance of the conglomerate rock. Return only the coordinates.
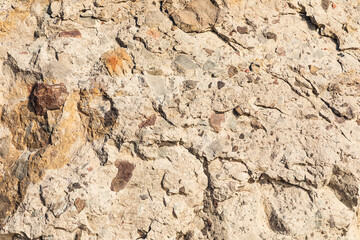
(179, 119)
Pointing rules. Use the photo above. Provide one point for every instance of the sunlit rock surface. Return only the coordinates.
(179, 119)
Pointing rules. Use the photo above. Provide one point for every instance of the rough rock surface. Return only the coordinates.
(47, 97)
(179, 119)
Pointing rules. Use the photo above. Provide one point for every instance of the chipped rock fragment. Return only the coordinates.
(215, 120)
(80, 204)
(48, 97)
(125, 172)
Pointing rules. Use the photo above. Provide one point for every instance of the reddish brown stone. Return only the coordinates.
(328, 127)
(125, 172)
(48, 97)
(80, 204)
(74, 33)
(215, 121)
(148, 122)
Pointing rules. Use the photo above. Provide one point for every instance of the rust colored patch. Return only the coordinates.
(148, 122)
(48, 97)
(117, 62)
(73, 33)
(112, 61)
(215, 121)
(80, 204)
(125, 172)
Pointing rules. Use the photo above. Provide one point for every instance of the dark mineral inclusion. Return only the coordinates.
(48, 97)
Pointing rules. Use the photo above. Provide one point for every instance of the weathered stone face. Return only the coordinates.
(28, 129)
(179, 119)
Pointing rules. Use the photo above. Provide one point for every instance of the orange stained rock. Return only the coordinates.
(117, 62)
